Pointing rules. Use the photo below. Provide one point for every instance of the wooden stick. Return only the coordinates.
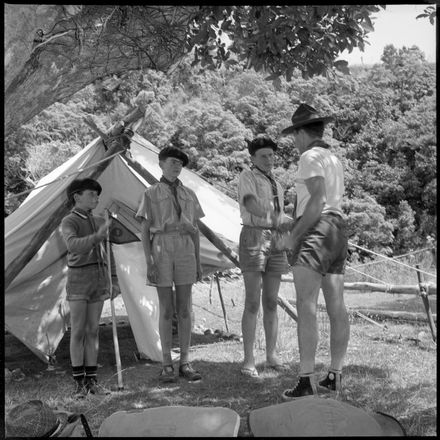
(114, 328)
(210, 290)
(425, 300)
(289, 309)
(370, 320)
(221, 301)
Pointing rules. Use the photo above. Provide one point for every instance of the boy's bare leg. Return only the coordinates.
(91, 345)
(252, 283)
(78, 319)
(271, 285)
(166, 311)
(183, 305)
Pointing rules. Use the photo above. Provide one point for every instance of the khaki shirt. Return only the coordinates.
(157, 205)
(256, 183)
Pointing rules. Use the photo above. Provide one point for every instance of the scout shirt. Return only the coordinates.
(158, 206)
(253, 181)
(320, 161)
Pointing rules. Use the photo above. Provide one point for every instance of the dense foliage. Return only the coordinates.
(385, 134)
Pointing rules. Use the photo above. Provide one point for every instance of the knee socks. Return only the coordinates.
(78, 373)
(91, 373)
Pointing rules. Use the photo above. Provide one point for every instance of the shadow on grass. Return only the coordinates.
(222, 384)
(370, 387)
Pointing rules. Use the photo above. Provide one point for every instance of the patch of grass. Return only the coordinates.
(391, 370)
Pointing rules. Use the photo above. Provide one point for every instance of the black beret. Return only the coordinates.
(79, 185)
(260, 142)
(174, 152)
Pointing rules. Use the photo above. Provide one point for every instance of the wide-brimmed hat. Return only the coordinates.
(304, 115)
(34, 419)
(174, 152)
(260, 142)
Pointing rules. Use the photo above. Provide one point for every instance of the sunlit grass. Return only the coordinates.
(391, 369)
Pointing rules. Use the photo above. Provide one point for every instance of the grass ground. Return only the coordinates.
(392, 370)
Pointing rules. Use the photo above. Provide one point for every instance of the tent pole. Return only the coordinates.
(117, 143)
(425, 300)
(114, 328)
(205, 230)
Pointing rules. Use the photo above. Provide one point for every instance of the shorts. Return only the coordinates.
(324, 247)
(87, 283)
(257, 252)
(175, 257)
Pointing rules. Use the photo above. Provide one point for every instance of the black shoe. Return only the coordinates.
(304, 387)
(332, 381)
(189, 373)
(80, 391)
(93, 387)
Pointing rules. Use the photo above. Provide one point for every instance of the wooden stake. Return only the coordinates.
(221, 301)
(425, 300)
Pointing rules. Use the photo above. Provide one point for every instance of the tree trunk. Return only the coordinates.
(53, 51)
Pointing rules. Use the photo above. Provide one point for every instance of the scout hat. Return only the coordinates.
(174, 152)
(34, 419)
(260, 142)
(79, 185)
(304, 115)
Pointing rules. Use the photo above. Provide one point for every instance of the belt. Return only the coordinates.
(336, 214)
(173, 229)
(85, 265)
(270, 228)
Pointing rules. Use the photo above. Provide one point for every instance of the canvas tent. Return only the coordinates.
(36, 311)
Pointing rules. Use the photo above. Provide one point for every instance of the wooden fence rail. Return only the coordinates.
(431, 289)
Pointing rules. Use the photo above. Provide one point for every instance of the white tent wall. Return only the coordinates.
(36, 311)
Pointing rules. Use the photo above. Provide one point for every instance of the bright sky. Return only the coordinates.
(396, 25)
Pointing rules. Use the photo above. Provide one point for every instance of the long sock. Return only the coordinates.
(78, 373)
(91, 372)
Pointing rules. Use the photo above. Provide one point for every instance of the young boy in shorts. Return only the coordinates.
(87, 282)
(170, 236)
(261, 201)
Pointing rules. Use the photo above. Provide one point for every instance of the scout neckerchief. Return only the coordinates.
(173, 186)
(99, 247)
(273, 184)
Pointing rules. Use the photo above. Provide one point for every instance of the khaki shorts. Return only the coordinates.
(87, 283)
(175, 258)
(324, 247)
(257, 252)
